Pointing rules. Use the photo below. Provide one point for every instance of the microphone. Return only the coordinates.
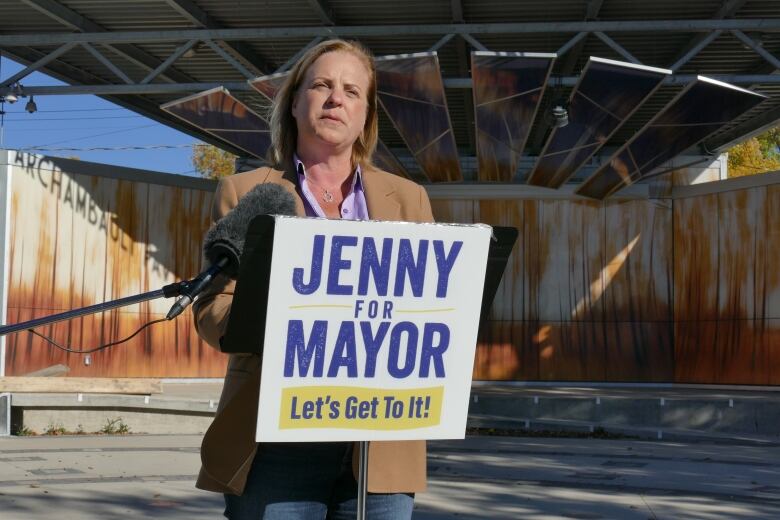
(226, 238)
(224, 242)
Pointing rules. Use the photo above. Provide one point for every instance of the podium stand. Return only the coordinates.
(257, 296)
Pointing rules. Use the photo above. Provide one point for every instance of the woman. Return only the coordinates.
(324, 131)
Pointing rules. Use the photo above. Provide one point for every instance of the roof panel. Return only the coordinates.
(725, 55)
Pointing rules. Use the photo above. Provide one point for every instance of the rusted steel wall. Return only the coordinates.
(79, 236)
(680, 290)
(727, 286)
(587, 292)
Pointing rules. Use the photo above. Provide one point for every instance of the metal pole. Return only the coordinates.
(362, 480)
(100, 307)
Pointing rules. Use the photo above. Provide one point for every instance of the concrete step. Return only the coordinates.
(740, 414)
(736, 413)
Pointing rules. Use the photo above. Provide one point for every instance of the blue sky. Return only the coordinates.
(85, 122)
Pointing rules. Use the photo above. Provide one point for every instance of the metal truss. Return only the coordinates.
(450, 83)
(248, 34)
(224, 43)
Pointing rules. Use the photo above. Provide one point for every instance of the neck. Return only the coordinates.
(327, 170)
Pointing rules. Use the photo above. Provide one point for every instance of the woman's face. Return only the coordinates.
(330, 106)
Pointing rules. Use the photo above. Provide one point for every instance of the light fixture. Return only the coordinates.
(31, 106)
(13, 96)
(560, 115)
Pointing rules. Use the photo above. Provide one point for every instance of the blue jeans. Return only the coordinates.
(309, 481)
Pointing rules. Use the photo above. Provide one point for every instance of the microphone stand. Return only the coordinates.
(187, 290)
(362, 479)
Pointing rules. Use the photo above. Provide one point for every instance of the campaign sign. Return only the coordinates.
(371, 330)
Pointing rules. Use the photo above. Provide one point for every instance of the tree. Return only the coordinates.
(759, 154)
(212, 162)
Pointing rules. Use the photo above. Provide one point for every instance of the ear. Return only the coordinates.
(294, 106)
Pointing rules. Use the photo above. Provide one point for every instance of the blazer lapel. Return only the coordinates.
(382, 205)
(288, 179)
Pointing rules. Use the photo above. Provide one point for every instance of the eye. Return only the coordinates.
(319, 85)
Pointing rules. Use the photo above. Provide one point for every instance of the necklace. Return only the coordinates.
(327, 196)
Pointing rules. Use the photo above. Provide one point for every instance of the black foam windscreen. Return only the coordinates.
(226, 237)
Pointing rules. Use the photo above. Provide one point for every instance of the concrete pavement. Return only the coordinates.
(151, 476)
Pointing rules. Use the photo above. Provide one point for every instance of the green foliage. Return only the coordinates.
(24, 431)
(55, 429)
(759, 154)
(212, 162)
(115, 426)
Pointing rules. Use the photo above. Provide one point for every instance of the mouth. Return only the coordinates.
(331, 118)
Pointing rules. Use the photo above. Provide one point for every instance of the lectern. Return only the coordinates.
(367, 330)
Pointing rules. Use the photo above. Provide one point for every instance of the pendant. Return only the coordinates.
(326, 196)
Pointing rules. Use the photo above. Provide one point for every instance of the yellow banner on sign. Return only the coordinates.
(360, 408)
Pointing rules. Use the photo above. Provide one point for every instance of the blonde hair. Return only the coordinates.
(284, 130)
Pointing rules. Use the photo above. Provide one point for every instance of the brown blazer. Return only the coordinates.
(229, 444)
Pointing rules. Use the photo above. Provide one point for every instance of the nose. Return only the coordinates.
(336, 97)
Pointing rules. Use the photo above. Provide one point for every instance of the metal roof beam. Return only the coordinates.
(464, 68)
(240, 50)
(441, 42)
(576, 41)
(699, 41)
(241, 86)
(64, 15)
(747, 40)
(295, 57)
(572, 51)
(169, 61)
(592, 9)
(324, 11)
(456, 8)
(191, 12)
(230, 59)
(615, 46)
(179, 35)
(38, 64)
(473, 42)
(108, 63)
(70, 74)
(72, 19)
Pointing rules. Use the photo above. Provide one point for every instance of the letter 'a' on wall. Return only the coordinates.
(508, 87)
(702, 108)
(217, 112)
(411, 91)
(372, 331)
(606, 95)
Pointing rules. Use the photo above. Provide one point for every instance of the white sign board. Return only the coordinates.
(371, 330)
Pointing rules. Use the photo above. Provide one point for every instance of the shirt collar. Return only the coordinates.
(300, 169)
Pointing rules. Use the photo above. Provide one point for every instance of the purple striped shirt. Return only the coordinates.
(354, 206)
